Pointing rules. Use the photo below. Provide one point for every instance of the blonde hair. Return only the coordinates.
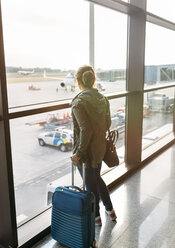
(86, 76)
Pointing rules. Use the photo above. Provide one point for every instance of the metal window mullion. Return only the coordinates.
(14, 113)
(174, 114)
(164, 86)
(8, 227)
(29, 112)
(135, 83)
(157, 20)
(40, 110)
(117, 5)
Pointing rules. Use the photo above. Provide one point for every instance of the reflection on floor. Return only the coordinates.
(145, 205)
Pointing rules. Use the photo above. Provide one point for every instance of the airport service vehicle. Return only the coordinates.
(53, 121)
(23, 72)
(160, 103)
(120, 117)
(61, 138)
(54, 125)
(32, 87)
(146, 110)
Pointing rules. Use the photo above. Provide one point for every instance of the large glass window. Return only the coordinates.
(110, 49)
(159, 55)
(45, 42)
(162, 8)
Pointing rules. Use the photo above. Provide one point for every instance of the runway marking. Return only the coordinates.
(38, 181)
(30, 182)
(47, 176)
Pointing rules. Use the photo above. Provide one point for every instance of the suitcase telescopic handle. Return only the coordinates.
(74, 187)
(83, 169)
(69, 188)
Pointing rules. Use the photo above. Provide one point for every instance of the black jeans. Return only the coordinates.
(94, 183)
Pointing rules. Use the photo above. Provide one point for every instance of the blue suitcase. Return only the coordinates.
(73, 216)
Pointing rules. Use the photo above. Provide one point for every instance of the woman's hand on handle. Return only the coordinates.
(75, 158)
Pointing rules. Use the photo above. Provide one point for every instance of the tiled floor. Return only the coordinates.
(145, 205)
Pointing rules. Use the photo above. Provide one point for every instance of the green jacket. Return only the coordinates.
(91, 119)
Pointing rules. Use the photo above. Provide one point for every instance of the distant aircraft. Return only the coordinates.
(99, 85)
(68, 82)
(25, 72)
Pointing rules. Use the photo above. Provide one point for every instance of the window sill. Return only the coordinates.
(157, 146)
(32, 231)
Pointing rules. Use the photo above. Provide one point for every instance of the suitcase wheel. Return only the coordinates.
(93, 244)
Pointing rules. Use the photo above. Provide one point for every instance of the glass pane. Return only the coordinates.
(45, 42)
(110, 49)
(157, 116)
(117, 108)
(162, 8)
(159, 55)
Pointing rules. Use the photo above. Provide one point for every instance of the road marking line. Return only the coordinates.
(30, 182)
(38, 181)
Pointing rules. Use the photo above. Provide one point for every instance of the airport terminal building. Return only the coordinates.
(130, 45)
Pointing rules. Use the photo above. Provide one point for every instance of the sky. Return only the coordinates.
(55, 34)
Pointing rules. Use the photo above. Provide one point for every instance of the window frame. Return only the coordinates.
(136, 11)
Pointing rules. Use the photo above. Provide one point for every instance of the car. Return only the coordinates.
(61, 138)
(120, 117)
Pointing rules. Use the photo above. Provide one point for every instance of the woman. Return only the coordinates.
(91, 119)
